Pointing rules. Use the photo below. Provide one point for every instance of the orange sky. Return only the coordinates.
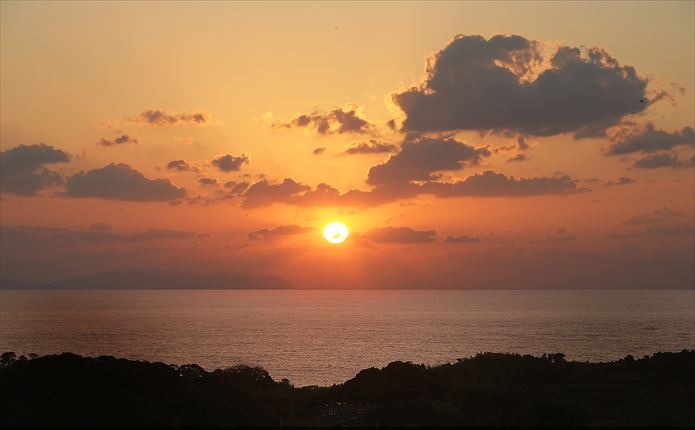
(583, 111)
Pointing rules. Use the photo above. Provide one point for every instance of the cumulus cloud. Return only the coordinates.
(319, 151)
(518, 158)
(491, 184)
(656, 161)
(504, 83)
(371, 147)
(285, 230)
(487, 184)
(623, 180)
(207, 181)
(400, 235)
(162, 118)
(337, 121)
(180, 165)
(22, 170)
(651, 139)
(420, 159)
(462, 239)
(118, 140)
(121, 182)
(229, 163)
(236, 188)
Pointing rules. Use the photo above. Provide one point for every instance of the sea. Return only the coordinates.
(316, 337)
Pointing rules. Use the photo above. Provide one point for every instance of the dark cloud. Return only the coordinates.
(420, 159)
(337, 121)
(207, 181)
(285, 230)
(22, 171)
(623, 180)
(462, 239)
(491, 184)
(180, 165)
(121, 182)
(229, 163)
(400, 235)
(371, 147)
(487, 184)
(656, 161)
(119, 140)
(319, 151)
(263, 193)
(518, 158)
(496, 84)
(162, 118)
(101, 226)
(652, 140)
(236, 188)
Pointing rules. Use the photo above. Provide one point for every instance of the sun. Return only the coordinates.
(336, 232)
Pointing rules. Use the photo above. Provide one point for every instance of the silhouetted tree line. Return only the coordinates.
(487, 389)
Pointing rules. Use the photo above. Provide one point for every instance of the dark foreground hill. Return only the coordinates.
(488, 389)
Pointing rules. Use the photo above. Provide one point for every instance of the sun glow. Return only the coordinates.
(336, 232)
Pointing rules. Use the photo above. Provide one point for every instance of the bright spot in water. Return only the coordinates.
(336, 232)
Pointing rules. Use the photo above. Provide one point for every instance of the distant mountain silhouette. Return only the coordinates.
(158, 280)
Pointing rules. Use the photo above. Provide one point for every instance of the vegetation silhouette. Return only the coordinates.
(489, 389)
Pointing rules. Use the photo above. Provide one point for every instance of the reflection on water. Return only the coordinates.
(322, 337)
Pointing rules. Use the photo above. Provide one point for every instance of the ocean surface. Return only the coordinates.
(325, 337)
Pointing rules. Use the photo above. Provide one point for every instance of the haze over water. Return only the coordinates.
(325, 337)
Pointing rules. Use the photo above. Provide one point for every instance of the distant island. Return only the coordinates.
(489, 389)
(156, 280)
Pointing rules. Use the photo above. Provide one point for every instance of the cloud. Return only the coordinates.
(319, 151)
(420, 159)
(285, 230)
(22, 171)
(462, 239)
(236, 188)
(121, 182)
(229, 163)
(101, 226)
(119, 140)
(180, 165)
(400, 235)
(207, 181)
(491, 184)
(263, 193)
(656, 161)
(487, 184)
(662, 222)
(518, 158)
(652, 140)
(337, 121)
(504, 83)
(162, 118)
(371, 147)
(660, 216)
(623, 180)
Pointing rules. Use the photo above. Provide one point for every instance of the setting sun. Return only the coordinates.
(336, 232)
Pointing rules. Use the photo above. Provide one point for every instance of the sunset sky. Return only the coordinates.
(465, 145)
